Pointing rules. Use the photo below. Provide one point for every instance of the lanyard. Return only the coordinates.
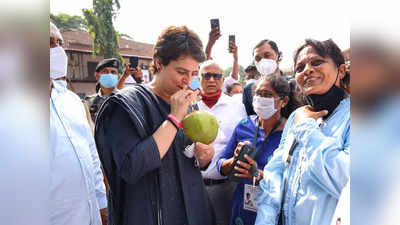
(266, 137)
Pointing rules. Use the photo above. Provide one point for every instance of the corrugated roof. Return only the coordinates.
(81, 41)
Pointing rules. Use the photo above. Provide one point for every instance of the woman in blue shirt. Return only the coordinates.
(303, 181)
(273, 102)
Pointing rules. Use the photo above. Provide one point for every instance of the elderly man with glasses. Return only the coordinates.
(229, 113)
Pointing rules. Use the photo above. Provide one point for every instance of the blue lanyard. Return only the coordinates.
(266, 137)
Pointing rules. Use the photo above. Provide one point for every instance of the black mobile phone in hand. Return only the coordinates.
(231, 39)
(134, 61)
(214, 23)
(246, 149)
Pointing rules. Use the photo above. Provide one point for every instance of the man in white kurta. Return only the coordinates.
(229, 112)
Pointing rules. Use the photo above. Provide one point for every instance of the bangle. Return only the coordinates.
(174, 121)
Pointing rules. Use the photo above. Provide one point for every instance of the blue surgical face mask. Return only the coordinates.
(108, 80)
(195, 84)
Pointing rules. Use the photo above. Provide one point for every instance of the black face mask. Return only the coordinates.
(329, 101)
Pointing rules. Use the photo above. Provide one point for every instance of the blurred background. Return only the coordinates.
(24, 112)
(375, 111)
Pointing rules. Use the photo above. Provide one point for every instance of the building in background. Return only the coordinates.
(82, 63)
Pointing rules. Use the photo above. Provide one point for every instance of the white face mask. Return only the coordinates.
(60, 84)
(264, 107)
(58, 63)
(266, 66)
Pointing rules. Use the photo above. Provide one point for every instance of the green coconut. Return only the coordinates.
(200, 126)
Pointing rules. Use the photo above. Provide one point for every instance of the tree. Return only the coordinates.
(242, 74)
(65, 21)
(100, 26)
(126, 36)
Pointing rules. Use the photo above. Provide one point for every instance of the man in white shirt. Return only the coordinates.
(229, 112)
(77, 191)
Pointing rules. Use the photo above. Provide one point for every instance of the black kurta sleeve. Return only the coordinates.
(121, 147)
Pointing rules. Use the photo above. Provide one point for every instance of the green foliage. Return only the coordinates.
(126, 36)
(242, 74)
(100, 26)
(65, 21)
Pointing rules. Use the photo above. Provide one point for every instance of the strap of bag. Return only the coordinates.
(284, 181)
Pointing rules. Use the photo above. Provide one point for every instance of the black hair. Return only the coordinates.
(325, 49)
(273, 45)
(250, 68)
(283, 88)
(175, 42)
(230, 87)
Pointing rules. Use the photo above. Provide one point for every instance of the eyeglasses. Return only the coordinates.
(265, 94)
(207, 76)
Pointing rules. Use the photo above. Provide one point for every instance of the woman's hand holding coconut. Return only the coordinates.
(179, 105)
(180, 102)
(204, 153)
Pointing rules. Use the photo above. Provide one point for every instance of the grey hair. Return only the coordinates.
(54, 31)
(208, 63)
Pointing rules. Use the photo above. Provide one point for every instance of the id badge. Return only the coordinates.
(250, 198)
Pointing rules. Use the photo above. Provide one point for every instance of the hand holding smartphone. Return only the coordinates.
(214, 23)
(134, 61)
(231, 39)
(245, 150)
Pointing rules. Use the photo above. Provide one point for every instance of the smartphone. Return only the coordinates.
(231, 39)
(214, 23)
(245, 150)
(134, 61)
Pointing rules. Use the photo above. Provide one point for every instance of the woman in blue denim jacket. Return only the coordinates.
(304, 179)
(273, 102)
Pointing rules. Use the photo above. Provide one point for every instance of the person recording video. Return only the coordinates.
(273, 102)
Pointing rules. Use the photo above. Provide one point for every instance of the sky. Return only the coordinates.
(287, 23)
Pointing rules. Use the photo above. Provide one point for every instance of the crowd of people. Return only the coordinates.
(281, 155)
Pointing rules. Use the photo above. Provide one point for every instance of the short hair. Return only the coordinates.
(271, 43)
(54, 30)
(230, 87)
(250, 68)
(326, 49)
(175, 42)
(208, 63)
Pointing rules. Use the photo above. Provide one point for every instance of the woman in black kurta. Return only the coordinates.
(151, 180)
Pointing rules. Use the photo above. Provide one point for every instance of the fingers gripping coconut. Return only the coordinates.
(204, 153)
(200, 126)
